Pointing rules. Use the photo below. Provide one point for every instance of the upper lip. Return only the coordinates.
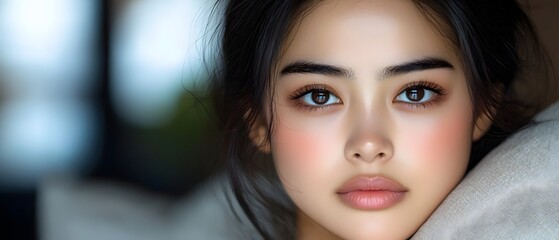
(366, 183)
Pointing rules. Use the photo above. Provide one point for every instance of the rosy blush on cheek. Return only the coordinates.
(296, 147)
(305, 158)
(442, 143)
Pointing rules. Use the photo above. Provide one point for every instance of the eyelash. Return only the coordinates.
(300, 93)
(436, 89)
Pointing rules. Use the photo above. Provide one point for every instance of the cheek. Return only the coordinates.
(295, 146)
(302, 144)
(440, 147)
(303, 155)
(445, 137)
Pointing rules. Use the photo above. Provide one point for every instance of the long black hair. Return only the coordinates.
(493, 38)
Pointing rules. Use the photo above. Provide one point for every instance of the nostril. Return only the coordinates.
(357, 155)
(381, 155)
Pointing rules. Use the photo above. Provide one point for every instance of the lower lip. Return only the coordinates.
(371, 200)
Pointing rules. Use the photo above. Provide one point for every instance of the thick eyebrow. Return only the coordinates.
(416, 65)
(336, 71)
(316, 68)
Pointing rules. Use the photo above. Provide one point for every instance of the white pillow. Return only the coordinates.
(513, 193)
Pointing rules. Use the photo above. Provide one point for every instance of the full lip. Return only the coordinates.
(371, 193)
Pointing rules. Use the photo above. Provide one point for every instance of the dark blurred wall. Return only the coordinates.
(68, 106)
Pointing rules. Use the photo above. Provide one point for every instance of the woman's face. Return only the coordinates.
(372, 120)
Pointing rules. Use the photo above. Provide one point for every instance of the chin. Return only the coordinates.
(368, 232)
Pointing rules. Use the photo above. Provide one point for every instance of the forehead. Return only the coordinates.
(395, 30)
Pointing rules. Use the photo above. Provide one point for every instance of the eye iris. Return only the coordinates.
(320, 97)
(415, 94)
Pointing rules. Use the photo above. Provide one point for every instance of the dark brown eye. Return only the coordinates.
(320, 97)
(419, 94)
(317, 97)
(415, 94)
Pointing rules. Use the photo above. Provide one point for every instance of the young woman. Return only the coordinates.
(354, 119)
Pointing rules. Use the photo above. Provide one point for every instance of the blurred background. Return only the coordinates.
(113, 91)
(110, 90)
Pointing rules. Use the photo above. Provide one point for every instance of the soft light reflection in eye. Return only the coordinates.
(320, 98)
(416, 95)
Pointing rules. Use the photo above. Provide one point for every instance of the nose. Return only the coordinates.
(368, 144)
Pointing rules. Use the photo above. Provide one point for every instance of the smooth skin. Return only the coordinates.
(368, 88)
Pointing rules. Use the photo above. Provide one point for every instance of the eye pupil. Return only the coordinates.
(320, 96)
(415, 94)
